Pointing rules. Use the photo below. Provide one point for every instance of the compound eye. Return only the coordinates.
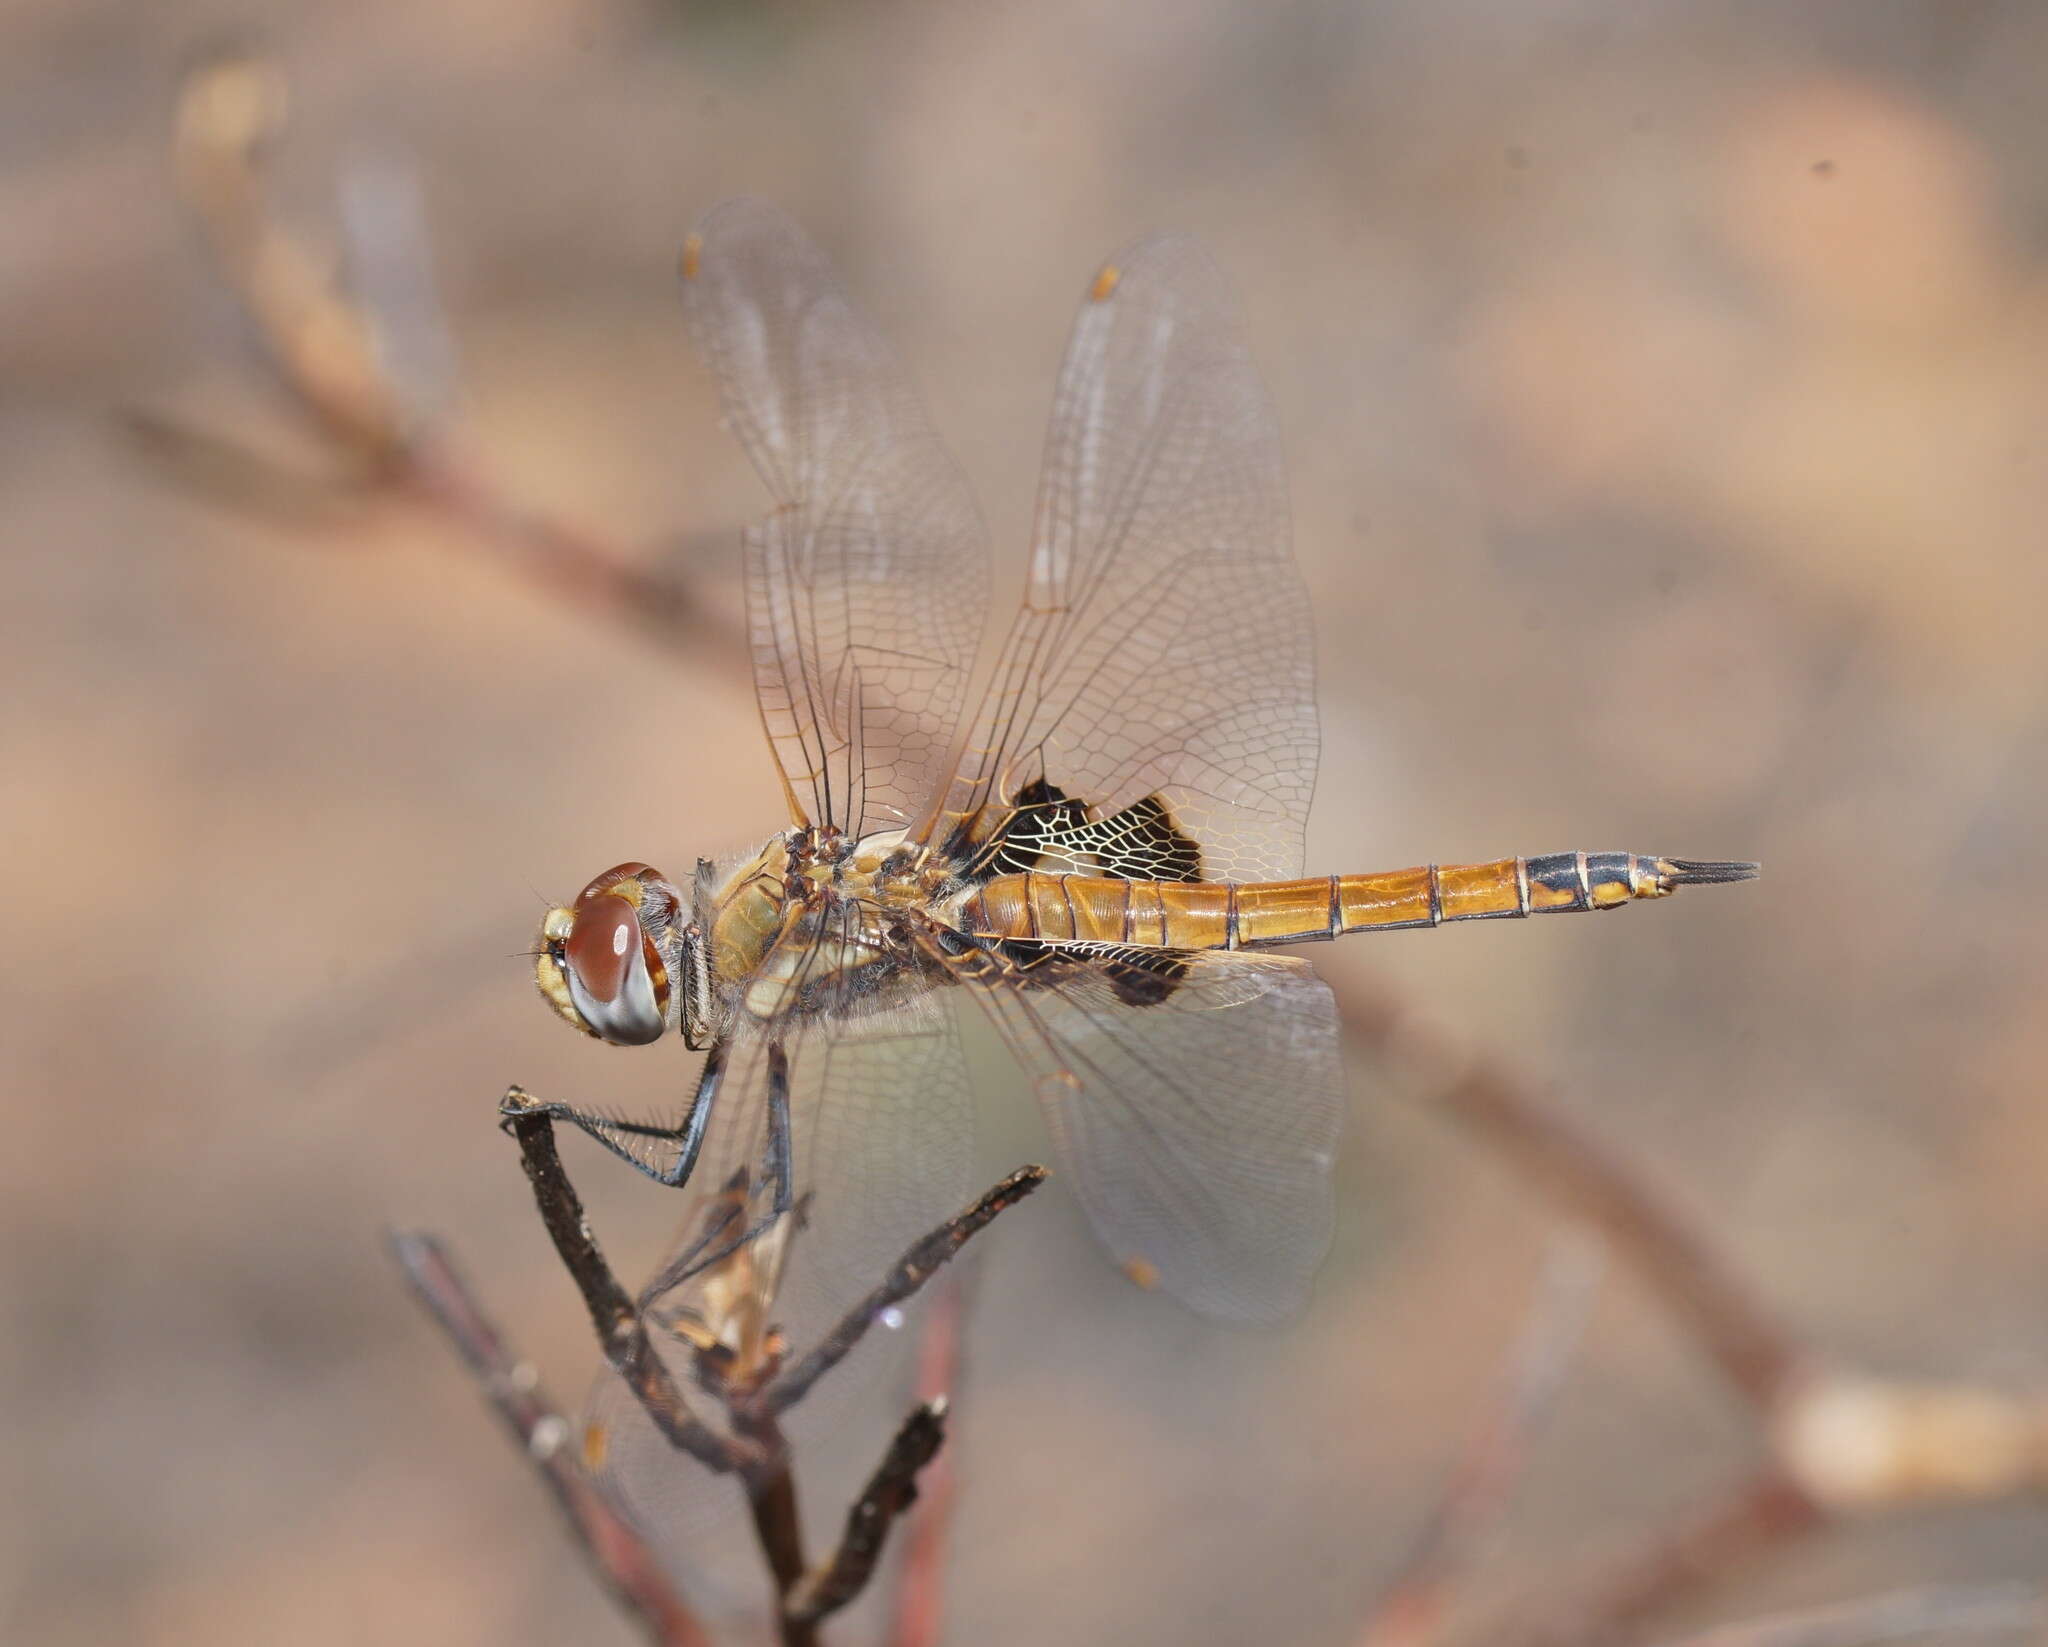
(615, 980)
(638, 873)
(604, 941)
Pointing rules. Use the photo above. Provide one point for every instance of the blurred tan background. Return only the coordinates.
(1663, 389)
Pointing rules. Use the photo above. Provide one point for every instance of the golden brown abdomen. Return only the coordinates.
(1225, 915)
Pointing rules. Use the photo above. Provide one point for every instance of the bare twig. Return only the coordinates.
(619, 1556)
(771, 1496)
(920, 1585)
(1952, 1611)
(620, 1331)
(809, 1597)
(912, 1270)
(890, 1491)
(756, 1450)
(1411, 1608)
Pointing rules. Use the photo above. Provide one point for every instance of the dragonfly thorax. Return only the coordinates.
(812, 923)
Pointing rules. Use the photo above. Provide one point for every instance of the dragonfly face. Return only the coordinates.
(614, 962)
(1094, 851)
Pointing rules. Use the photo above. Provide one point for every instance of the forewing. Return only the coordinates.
(867, 587)
(1165, 642)
(1198, 1123)
(884, 1139)
(882, 1131)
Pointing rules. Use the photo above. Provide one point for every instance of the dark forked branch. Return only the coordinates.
(621, 1333)
(755, 1449)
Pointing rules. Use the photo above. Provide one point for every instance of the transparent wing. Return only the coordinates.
(1198, 1129)
(884, 1132)
(1165, 641)
(881, 1128)
(867, 587)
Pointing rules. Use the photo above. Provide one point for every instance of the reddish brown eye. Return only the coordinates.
(603, 944)
(603, 968)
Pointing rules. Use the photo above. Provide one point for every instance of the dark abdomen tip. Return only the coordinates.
(1703, 872)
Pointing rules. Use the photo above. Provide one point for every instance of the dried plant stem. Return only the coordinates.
(620, 1332)
(890, 1491)
(756, 1450)
(778, 1526)
(912, 1270)
(618, 1555)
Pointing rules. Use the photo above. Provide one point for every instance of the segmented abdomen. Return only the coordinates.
(1224, 915)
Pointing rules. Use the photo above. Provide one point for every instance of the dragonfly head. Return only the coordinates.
(615, 962)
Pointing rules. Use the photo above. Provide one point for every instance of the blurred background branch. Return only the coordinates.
(1410, 1611)
(342, 366)
(1948, 1615)
(1837, 1443)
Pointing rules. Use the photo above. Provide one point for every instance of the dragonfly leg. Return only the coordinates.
(776, 1161)
(776, 1169)
(667, 1154)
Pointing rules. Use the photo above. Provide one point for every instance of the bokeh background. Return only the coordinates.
(1663, 389)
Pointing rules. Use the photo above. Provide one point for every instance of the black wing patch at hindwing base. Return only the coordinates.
(1051, 832)
(1136, 976)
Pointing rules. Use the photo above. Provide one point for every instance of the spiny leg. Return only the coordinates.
(670, 1168)
(776, 1169)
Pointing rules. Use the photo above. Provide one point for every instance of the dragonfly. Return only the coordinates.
(1100, 845)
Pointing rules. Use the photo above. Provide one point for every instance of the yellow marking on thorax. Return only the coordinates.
(748, 913)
